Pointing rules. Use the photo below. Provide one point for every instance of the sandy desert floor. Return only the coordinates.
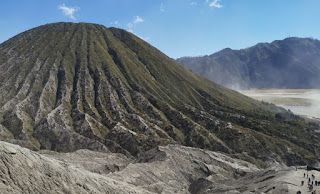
(305, 102)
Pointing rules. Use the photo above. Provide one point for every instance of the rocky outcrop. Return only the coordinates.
(172, 169)
(96, 162)
(277, 180)
(169, 169)
(25, 171)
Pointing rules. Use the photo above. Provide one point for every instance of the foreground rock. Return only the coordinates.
(25, 171)
(97, 162)
(276, 180)
(169, 169)
(172, 169)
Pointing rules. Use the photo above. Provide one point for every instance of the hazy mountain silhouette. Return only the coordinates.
(290, 63)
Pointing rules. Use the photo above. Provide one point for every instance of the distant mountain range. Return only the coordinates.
(292, 63)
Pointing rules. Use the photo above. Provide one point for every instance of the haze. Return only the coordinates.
(302, 102)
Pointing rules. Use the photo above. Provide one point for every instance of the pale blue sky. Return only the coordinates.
(176, 27)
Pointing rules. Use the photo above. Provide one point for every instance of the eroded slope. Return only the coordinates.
(69, 86)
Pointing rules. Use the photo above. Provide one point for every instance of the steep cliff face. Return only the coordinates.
(290, 63)
(69, 86)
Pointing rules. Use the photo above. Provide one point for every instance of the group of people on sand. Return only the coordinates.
(311, 183)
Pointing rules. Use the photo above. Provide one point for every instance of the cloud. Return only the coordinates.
(138, 20)
(115, 23)
(193, 3)
(215, 4)
(68, 11)
(130, 26)
(162, 7)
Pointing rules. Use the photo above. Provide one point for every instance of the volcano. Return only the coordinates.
(70, 86)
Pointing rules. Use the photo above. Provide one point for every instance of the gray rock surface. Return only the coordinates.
(274, 180)
(97, 162)
(166, 169)
(169, 169)
(173, 168)
(24, 171)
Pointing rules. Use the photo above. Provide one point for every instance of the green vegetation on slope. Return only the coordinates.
(69, 86)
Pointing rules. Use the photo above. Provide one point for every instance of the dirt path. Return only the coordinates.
(294, 179)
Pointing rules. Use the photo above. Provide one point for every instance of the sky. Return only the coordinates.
(176, 27)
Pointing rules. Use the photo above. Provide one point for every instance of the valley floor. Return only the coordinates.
(305, 102)
(296, 177)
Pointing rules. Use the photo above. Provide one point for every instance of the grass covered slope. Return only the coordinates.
(68, 86)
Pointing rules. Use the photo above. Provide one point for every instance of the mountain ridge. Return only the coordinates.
(68, 86)
(291, 63)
